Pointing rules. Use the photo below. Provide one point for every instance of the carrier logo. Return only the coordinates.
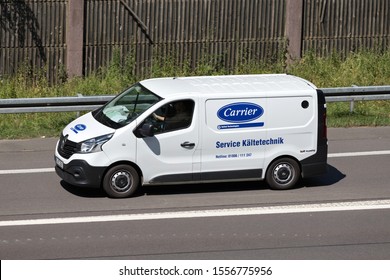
(240, 115)
(240, 112)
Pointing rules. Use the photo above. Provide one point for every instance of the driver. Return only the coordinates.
(181, 116)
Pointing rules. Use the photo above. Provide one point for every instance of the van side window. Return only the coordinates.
(173, 116)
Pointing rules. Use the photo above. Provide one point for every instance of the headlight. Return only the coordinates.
(94, 145)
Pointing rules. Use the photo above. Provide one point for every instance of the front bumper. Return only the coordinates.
(79, 173)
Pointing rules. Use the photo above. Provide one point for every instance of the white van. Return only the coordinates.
(197, 130)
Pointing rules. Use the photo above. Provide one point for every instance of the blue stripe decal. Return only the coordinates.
(240, 125)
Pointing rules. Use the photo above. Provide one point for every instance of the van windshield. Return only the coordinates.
(125, 107)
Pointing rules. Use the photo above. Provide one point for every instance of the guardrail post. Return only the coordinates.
(351, 106)
(352, 103)
(78, 112)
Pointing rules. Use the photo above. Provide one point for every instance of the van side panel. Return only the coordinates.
(232, 135)
(293, 119)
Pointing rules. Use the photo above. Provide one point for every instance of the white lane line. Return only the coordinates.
(359, 154)
(26, 171)
(304, 208)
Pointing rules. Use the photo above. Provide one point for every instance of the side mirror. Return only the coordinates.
(147, 130)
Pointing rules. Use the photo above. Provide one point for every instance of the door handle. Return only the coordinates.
(187, 144)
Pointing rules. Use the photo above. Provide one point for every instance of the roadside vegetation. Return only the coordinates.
(364, 68)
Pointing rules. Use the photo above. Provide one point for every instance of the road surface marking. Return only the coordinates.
(335, 155)
(287, 209)
(26, 171)
(359, 154)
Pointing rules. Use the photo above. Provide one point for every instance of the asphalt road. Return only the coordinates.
(342, 215)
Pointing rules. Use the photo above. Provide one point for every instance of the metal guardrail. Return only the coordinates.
(355, 93)
(53, 104)
(89, 103)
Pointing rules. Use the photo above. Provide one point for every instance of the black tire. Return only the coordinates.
(121, 181)
(283, 174)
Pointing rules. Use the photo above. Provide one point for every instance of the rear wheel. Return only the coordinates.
(121, 181)
(283, 174)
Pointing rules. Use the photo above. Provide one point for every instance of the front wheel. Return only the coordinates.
(121, 181)
(283, 174)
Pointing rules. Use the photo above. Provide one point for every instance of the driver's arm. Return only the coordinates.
(158, 118)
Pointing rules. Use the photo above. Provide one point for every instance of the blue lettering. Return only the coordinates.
(230, 144)
(262, 142)
(78, 127)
